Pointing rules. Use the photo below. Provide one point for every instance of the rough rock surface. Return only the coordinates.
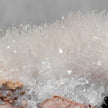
(10, 91)
(59, 102)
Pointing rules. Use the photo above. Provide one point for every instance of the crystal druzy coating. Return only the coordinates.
(68, 58)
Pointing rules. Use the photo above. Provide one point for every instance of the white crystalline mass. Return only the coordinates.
(68, 58)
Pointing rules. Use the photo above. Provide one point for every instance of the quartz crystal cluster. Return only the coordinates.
(67, 58)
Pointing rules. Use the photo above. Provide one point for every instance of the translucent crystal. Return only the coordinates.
(68, 58)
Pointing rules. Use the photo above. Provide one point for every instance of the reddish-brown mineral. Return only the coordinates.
(11, 84)
(9, 93)
(59, 102)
